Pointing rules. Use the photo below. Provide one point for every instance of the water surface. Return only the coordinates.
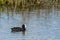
(43, 24)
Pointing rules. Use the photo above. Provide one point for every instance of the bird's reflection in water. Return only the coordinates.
(23, 32)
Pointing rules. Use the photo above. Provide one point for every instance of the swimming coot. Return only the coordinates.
(17, 29)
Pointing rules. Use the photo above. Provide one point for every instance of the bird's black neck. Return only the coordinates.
(23, 26)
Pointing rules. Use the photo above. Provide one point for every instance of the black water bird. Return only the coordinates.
(18, 29)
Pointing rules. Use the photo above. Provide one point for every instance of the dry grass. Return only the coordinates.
(24, 4)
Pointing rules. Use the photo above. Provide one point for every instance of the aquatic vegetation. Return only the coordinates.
(26, 4)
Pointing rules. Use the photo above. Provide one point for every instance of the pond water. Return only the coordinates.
(43, 24)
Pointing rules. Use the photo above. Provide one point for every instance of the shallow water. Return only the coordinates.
(43, 24)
